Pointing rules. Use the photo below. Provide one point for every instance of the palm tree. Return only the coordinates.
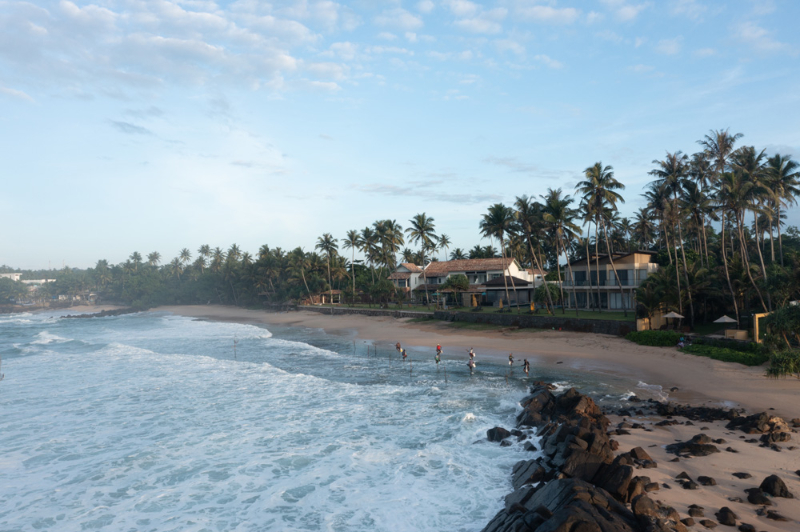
(672, 173)
(353, 242)
(643, 228)
(702, 173)
(136, 259)
(185, 256)
(529, 217)
(751, 165)
(458, 254)
(234, 253)
(299, 262)
(204, 252)
(217, 258)
(599, 191)
(444, 243)
(328, 245)
(498, 222)
(153, 258)
(718, 147)
(176, 266)
(422, 231)
(559, 216)
(369, 246)
(783, 179)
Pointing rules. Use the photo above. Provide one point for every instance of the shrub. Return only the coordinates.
(784, 363)
(726, 354)
(654, 338)
(742, 347)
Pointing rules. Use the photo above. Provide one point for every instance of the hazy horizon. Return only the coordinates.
(163, 125)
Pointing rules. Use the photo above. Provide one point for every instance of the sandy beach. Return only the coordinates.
(699, 380)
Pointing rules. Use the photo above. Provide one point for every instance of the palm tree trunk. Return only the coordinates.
(725, 263)
(780, 238)
(705, 242)
(505, 279)
(597, 259)
(747, 262)
(539, 266)
(560, 282)
(616, 276)
(569, 272)
(771, 242)
(686, 275)
(760, 255)
(588, 273)
(353, 274)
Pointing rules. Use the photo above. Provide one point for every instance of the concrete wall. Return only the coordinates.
(616, 328)
(369, 311)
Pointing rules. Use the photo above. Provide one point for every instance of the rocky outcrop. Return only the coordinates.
(578, 484)
(774, 485)
(699, 445)
(104, 313)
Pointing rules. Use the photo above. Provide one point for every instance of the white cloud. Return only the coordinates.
(399, 18)
(462, 8)
(760, 39)
(16, 94)
(411, 36)
(548, 14)
(509, 45)
(345, 50)
(593, 17)
(610, 36)
(691, 9)
(425, 6)
(705, 52)
(623, 10)
(387, 36)
(485, 22)
(670, 46)
(548, 61)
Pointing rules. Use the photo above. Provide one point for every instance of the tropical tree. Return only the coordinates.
(499, 222)
(328, 245)
(136, 259)
(783, 179)
(458, 254)
(204, 252)
(559, 218)
(153, 258)
(444, 244)
(353, 242)
(423, 232)
(185, 256)
(599, 191)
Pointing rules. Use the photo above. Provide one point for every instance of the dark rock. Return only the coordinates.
(706, 481)
(696, 512)
(704, 428)
(796, 422)
(676, 459)
(775, 516)
(699, 445)
(640, 454)
(690, 485)
(683, 475)
(527, 472)
(688, 521)
(642, 505)
(731, 450)
(529, 446)
(726, 517)
(708, 523)
(744, 527)
(505, 443)
(666, 486)
(735, 499)
(773, 485)
(756, 496)
(719, 441)
(653, 486)
(497, 434)
(776, 437)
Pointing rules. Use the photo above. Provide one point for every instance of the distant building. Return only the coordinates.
(12, 276)
(595, 286)
(485, 276)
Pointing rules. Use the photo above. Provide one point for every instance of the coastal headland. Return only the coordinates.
(685, 378)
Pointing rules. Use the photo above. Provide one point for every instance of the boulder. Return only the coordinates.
(527, 472)
(640, 454)
(708, 523)
(706, 481)
(497, 434)
(726, 517)
(744, 527)
(743, 475)
(699, 445)
(756, 496)
(773, 485)
(775, 516)
(697, 511)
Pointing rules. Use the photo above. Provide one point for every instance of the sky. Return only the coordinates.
(154, 125)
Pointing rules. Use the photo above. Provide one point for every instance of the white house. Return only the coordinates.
(12, 276)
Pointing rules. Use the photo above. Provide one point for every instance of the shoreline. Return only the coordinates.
(699, 381)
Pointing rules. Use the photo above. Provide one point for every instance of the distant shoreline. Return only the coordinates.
(700, 380)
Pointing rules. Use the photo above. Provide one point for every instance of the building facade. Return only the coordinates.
(594, 285)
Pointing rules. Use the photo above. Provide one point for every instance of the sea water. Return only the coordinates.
(157, 422)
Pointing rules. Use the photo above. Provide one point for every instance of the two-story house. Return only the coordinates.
(594, 285)
(485, 276)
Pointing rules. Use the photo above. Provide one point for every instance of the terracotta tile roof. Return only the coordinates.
(535, 271)
(399, 275)
(410, 266)
(466, 265)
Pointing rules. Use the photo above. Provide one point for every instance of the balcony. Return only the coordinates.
(609, 283)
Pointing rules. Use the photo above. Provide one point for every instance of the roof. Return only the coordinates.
(410, 266)
(466, 265)
(536, 271)
(399, 275)
(441, 288)
(617, 256)
(498, 281)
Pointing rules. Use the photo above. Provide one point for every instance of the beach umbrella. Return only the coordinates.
(725, 319)
(673, 315)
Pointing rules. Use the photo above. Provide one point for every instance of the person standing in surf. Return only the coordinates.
(526, 366)
(437, 359)
(471, 366)
(403, 352)
(511, 359)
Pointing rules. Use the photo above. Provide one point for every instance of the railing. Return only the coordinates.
(608, 282)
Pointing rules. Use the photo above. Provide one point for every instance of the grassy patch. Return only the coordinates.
(468, 326)
(422, 319)
(727, 355)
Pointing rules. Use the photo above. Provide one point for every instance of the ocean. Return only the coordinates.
(158, 422)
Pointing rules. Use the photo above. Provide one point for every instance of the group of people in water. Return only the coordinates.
(526, 366)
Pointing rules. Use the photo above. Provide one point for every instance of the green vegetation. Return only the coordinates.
(727, 355)
(654, 338)
(783, 364)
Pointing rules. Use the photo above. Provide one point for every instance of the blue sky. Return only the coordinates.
(132, 125)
